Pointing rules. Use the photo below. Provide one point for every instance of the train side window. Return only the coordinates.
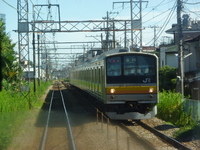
(92, 75)
(87, 74)
(99, 75)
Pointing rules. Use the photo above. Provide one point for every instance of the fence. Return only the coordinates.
(193, 106)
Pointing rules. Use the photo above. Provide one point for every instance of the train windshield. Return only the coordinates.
(138, 65)
(131, 69)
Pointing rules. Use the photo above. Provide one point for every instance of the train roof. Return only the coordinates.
(110, 53)
(116, 52)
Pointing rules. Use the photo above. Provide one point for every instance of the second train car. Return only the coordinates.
(125, 83)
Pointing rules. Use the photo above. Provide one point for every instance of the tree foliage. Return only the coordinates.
(11, 71)
(167, 78)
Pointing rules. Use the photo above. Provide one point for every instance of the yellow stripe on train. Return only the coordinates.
(131, 89)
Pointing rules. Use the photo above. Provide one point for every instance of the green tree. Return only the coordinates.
(11, 71)
(167, 78)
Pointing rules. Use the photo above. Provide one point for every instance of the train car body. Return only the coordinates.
(126, 83)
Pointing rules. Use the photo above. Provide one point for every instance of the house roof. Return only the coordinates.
(172, 49)
(197, 38)
(195, 27)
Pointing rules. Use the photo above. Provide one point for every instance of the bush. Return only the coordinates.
(167, 78)
(170, 109)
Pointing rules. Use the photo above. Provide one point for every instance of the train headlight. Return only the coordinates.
(112, 91)
(151, 90)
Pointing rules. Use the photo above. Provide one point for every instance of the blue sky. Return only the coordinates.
(155, 13)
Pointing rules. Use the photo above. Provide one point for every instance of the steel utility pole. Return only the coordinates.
(136, 23)
(23, 43)
(155, 38)
(34, 60)
(180, 48)
(38, 39)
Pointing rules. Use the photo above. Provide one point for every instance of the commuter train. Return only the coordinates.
(125, 83)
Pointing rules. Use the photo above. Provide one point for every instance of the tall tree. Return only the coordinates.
(11, 71)
(0, 58)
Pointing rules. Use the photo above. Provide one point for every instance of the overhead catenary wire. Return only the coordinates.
(10, 5)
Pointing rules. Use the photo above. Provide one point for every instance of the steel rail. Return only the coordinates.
(68, 123)
(42, 146)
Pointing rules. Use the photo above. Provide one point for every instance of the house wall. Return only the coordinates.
(172, 60)
(168, 56)
(192, 62)
(162, 56)
(30, 73)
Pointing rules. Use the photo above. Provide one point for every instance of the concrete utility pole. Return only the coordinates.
(180, 48)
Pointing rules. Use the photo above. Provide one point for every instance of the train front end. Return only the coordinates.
(131, 86)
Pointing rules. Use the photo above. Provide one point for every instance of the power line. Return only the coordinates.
(165, 23)
(153, 8)
(158, 15)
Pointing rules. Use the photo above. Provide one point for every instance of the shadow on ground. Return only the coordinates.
(74, 105)
(164, 127)
(190, 135)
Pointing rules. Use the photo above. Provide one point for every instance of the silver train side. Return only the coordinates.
(125, 83)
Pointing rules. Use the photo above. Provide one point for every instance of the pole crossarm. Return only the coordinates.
(66, 56)
(81, 26)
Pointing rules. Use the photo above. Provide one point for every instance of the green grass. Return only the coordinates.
(12, 102)
(9, 123)
(14, 108)
(36, 97)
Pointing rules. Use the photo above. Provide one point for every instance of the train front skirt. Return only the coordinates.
(132, 115)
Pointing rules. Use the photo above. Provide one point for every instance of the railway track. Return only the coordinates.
(165, 137)
(125, 125)
(57, 116)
